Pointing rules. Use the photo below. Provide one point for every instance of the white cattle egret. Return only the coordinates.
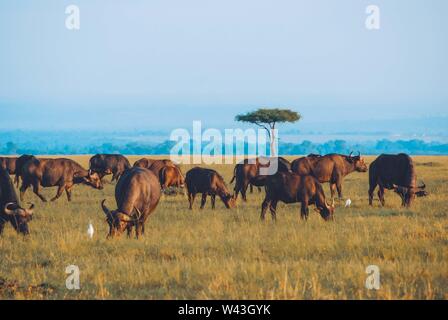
(90, 230)
(348, 203)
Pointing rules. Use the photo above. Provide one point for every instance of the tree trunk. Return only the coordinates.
(272, 142)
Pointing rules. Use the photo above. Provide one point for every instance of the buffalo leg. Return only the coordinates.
(371, 191)
(273, 209)
(68, 192)
(339, 188)
(129, 231)
(236, 190)
(251, 188)
(264, 207)
(191, 197)
(332, 190)
(381, 195)
(213, 199)
(138, 229)
(59, 193)
(36, 190)
(244, 188)
(23, 189)
(203, 200)
(304, 210)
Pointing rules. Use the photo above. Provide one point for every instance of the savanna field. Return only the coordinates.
(231, 254)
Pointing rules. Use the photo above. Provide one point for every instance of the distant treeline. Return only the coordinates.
(413, 147)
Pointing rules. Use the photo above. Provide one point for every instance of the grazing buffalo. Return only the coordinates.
(10, 209)
(289, 187)
(105, 164)
(331, 168)
(20, 163)
(250, 168)
(170, 176)
(8, 164)
(61, 173)
(394, 172)
(207, 182)
(137, 194)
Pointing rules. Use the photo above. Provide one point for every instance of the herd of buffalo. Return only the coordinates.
(139, 187)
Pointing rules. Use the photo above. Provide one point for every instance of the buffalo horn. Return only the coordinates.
(8, 211)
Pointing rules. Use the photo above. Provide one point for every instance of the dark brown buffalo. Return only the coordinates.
(10, 209)
(9, 164)
(20, 163)
(394, 172)
(104, 164)
(331, 168)
(61, 173)
(137, 194)
(170, 176)
(289, 187)
(207, 182)
(250, 168)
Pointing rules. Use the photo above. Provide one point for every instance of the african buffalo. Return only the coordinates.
(330, 168)
(10, 209)
(207, 182)
(250, 168)
(289, 187)
(104, 164)
(137, 194)
(394, 172)
(170, 176)
(20, 163)
(63, 173)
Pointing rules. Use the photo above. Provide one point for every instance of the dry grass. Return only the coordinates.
(231, 254)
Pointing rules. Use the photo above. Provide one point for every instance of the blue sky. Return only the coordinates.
(161, 64)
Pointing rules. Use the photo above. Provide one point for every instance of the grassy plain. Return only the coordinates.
(230, 254)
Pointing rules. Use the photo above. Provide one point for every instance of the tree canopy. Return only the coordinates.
(271, 117)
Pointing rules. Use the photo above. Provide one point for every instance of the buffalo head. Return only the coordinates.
(358, 162)
(118, 221)
(408, 194)
(19, 217)
(327, 212)
(93, 179)
(229, 200)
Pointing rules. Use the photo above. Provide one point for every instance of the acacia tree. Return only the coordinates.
(268, 119)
